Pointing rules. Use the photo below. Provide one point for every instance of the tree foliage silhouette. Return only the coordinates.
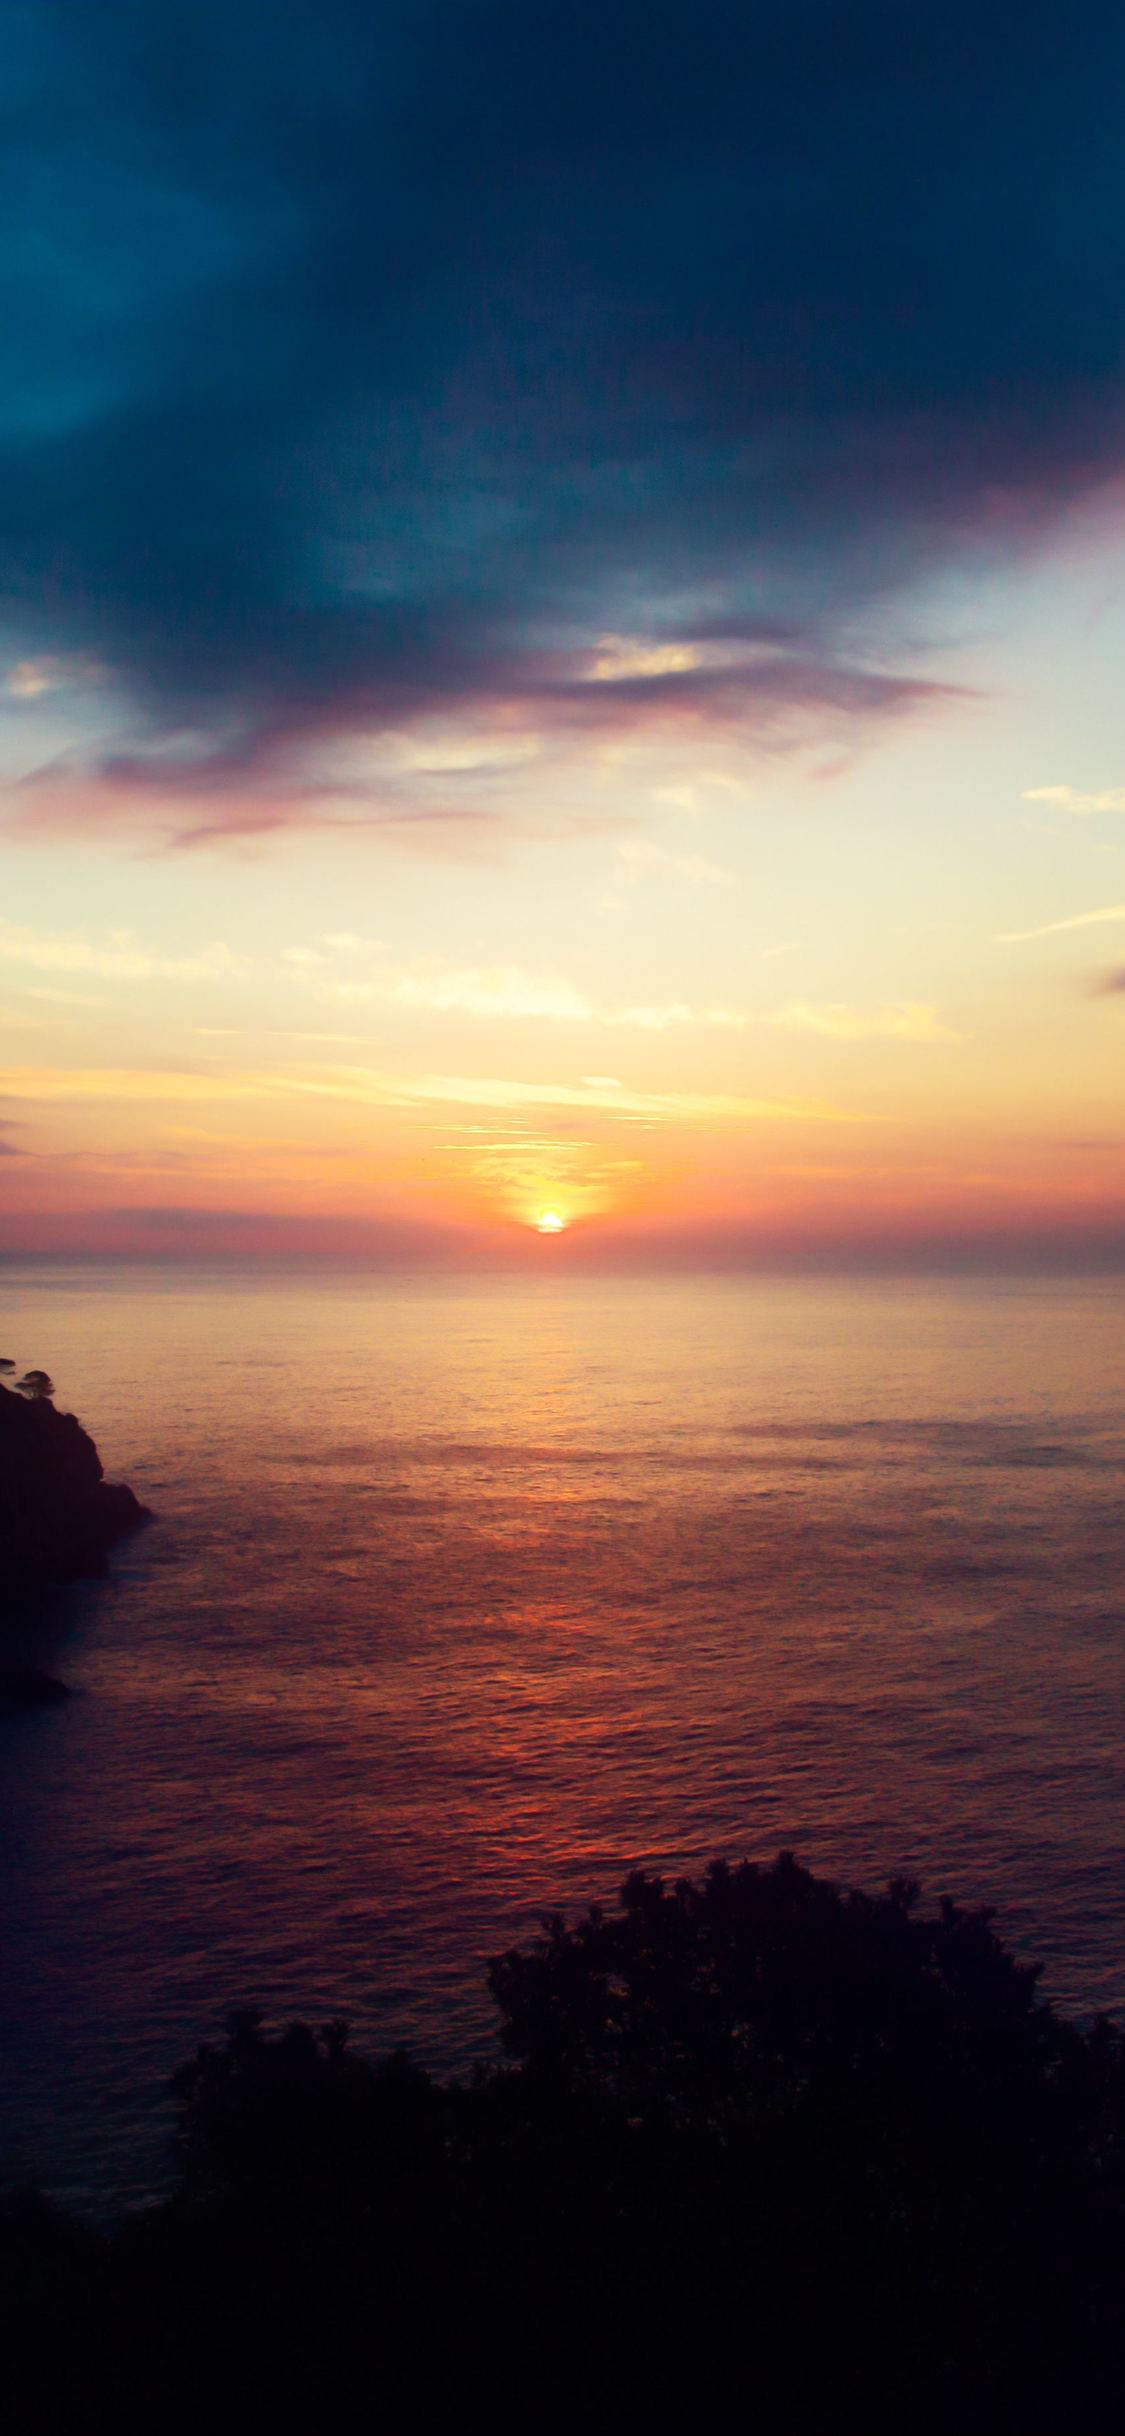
(750, 2137)
(37, 1385)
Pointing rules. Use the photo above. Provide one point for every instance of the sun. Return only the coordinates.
(550, 1222)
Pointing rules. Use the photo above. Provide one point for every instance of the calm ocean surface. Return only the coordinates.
(464, 1597)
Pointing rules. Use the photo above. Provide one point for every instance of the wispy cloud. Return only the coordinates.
(365, 1087)
(155, 1084)
(497, 991)
(121, 957)
(1047, 930)
(490, 992)
(643, 854)
(620, 656)
(27, 680)
(906, 1019)
(1070, 799)
(681, 1107)
(364, 762)
(664, 1018)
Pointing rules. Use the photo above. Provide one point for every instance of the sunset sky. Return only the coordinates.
(563, 631)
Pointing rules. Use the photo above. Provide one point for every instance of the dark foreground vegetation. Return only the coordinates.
(759, 2155)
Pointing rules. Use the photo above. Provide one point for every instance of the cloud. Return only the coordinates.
(251, 797)
(206, 791)
(50, 673)
(643, 854)
(661, 1018)
(495, 992)
(175, 1232)
(144, 1083)
(1047, 930)
(121, 958)
(1111, 799)
(533, 369)
(825, 1240)
(365, 1088)
(906, 1020)
(676, 1107)
(618, 658)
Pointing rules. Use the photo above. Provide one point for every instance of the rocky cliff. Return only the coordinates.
(59, 1516)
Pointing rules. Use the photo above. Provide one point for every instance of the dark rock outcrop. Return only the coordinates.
(59, 1516)
(27, 1687)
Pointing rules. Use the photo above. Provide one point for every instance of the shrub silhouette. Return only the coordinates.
(754, 2144)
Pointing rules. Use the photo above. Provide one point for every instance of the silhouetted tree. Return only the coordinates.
(298, 2119)
(806, 2159)
(36, 1384)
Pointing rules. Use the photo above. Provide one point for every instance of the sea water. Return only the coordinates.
(465, 1596)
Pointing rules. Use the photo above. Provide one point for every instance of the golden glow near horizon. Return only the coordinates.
(755, 1001)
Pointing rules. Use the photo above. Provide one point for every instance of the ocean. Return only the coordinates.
(465, 1596)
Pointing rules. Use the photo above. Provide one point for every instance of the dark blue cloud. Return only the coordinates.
(367, 360)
